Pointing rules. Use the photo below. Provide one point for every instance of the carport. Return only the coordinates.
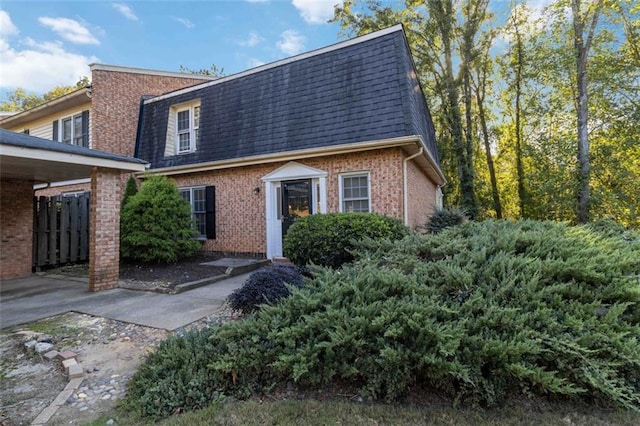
(25, 161)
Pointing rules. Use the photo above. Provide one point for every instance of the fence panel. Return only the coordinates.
(61, 230)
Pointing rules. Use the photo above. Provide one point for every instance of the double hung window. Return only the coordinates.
(355, 193)
(188, 129)
(73, 130)
(196, 196)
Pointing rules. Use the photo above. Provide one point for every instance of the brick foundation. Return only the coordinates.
(16, 228)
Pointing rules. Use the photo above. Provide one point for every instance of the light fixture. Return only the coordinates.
(256, 190)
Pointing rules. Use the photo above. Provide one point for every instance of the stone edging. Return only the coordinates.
(76, 375)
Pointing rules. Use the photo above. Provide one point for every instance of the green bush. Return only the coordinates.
(445, 218)
(478, 312)
(130, 190)
(155, 224)
(175, 377)
(327, 239)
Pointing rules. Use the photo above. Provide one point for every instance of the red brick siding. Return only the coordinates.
(116, 104)
(240, 214)
(104, 234)
(421, 195)
(16, 228)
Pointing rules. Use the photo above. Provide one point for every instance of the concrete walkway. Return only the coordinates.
(24, 300)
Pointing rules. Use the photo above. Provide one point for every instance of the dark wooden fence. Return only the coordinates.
(60, 230)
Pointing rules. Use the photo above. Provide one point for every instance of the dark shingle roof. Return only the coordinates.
(26, 141)
(358, 91)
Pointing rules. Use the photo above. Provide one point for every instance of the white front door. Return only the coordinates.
(274, 205)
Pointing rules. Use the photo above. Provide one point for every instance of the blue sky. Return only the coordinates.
(44, 44)
(48, 43)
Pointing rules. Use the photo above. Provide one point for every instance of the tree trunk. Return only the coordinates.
(522, 196)
(487, 147)
(442, 12)
(582, 46)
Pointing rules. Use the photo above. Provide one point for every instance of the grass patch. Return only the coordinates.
(314, 412)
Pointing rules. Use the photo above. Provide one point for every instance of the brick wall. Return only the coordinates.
(421, 193)
(116, 104)
(240, 214)
(16, 228)
(104, 233)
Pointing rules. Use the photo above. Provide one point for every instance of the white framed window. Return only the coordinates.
(355, 192)
(187, 128)
(196, 196)
(73, 130)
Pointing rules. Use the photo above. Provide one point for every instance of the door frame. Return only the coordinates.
(273, 200)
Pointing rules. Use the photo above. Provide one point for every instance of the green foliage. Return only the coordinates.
(327, 239)
(265, 286)
(20, 99)
(130, 190)
(155, 224)
(478, 312)
(174, 378)
(445, 218)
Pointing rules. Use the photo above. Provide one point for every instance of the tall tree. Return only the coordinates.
(483, 70)
(585, 21)
(21, 100)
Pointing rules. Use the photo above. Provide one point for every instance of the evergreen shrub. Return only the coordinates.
(155, 224)
(327, 239)
(265, 286)
(130, 190)
(445, 218)
(478, 312)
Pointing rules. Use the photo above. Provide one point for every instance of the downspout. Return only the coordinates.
(405, 183)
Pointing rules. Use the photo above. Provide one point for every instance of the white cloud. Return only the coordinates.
(125, 10)
(41, 66)
(6, 26)
(69, 30)
(184, 21)
(316, 11)
(291, 42)
(252, 40)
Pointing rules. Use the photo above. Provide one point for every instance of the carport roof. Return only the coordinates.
(39, 160)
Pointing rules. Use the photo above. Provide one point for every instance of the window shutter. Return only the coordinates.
(85, 128)
(210, 216)
(55, 130)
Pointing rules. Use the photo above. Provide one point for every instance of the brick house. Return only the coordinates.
(342, 128)
(27, 160)
(103, 116)
(96, 124)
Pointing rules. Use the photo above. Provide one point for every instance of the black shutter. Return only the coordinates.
(210, 217)
(85, 129)
(55, 130)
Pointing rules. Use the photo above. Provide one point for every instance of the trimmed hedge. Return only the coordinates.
(327, 239)
(478, 312)
(155, 224)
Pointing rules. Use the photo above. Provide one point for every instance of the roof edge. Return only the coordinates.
(296, 58)
(52, 103)
(288, 155)
(146, 71)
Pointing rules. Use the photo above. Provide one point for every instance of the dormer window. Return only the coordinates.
(188, 129)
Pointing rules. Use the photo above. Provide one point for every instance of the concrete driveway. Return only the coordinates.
(24, 300)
